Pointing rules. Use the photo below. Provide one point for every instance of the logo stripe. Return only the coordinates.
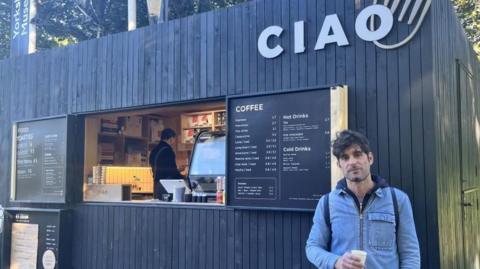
(415, 10)
(404, 10)
(395, 6)
(413, 14)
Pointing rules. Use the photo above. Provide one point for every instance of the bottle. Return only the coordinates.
(219, 198)
(219, 195)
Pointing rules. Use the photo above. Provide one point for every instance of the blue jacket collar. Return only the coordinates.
(380, 183)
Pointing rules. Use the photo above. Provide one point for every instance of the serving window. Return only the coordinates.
(277, 156)
(118, 146)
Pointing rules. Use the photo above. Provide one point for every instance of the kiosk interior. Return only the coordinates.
(118, 144)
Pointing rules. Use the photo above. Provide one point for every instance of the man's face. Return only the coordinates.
(171, 141)
(355, 163)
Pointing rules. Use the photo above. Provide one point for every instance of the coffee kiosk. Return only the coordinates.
(279, 78)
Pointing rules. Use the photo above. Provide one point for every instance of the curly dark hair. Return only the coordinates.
(167, 134)
(348, 138)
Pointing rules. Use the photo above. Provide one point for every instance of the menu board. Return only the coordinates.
(40, 160)
(37, 238)
(24, 246)
(279, 149)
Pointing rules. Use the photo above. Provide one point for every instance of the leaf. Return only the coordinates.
(468, 12)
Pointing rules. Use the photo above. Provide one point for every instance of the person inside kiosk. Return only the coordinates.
(162, 161)
(145, 155)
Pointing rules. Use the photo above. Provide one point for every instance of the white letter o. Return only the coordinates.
(386, 23)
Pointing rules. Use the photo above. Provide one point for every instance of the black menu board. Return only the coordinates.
(279, 149)
(38, 238)
(40, 149)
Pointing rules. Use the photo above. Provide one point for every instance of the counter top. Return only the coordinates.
(158, 203)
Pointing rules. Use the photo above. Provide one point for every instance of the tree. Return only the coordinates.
(468, 12)
(180, 8)
(70, 21)
(63, 22)
(183, 8)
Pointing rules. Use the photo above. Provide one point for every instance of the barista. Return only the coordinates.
(162, 161)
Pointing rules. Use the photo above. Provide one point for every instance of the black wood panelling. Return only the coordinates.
(457, 143)
(161, 237)
(402, 99)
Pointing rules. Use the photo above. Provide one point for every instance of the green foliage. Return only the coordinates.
(469, 13)
(183, 8)
(64, 22)
(180, 8)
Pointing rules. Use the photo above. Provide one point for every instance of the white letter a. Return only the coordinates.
(338, 35)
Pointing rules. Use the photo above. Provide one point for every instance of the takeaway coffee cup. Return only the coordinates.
(361, 254)
(187, 197)
(178, 194)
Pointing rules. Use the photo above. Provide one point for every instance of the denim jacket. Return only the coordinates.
(373, 230)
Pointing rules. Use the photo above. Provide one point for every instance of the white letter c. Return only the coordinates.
(263, 39)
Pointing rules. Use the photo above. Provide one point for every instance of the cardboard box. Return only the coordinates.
(134, 158)
(108, 192)
(133, 126)
(156, 128)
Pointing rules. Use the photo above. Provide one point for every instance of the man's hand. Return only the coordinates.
(348, 261)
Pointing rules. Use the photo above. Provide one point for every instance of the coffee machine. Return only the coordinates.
(207, 166)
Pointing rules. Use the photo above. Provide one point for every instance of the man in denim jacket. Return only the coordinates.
(362, 216)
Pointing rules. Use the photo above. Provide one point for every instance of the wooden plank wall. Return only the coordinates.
(166, 237)
(452, 51)
(213, 55)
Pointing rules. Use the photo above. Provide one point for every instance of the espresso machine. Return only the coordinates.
(206, 174)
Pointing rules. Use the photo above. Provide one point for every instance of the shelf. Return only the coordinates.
(199, 127)
(120, 149)
(108, 134)
(209, 120)
(144, 139)
(123, 136)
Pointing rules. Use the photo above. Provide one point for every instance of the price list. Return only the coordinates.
(51, 235)
(40, 160)
(46, 236)
(26, 160)
(52, 165)
(279, 149)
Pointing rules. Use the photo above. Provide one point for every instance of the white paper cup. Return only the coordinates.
(178, 194)
(361, 254)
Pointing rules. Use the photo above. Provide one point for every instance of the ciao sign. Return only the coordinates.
(332, 30)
